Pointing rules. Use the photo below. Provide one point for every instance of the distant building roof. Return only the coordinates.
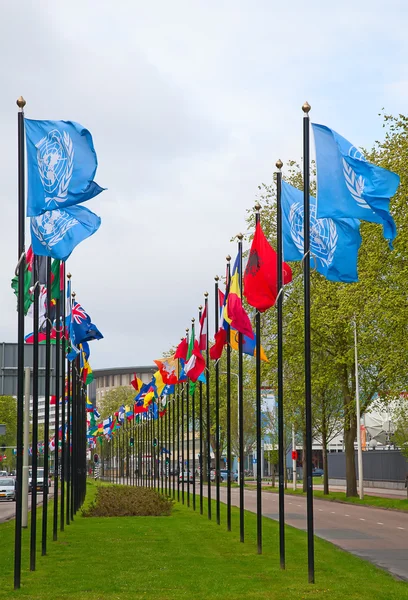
(124, 370)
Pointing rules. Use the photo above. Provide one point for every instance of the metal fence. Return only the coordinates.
(378, 465)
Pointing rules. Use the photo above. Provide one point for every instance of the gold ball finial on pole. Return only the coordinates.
(306, 107)
(21, 102)
(216, 278)
(200, 307)
(240, 236)
(187, 329)
(257, 207)
(73, 294)
(206, 294)
(69, 275)
(279, 164)
(228, 257)
(193, 320)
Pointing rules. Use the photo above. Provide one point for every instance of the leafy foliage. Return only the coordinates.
(126, 501)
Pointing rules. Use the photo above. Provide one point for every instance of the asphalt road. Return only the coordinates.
(377, 535)
(8, 509)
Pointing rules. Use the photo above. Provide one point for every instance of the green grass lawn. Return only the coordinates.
(377, 501)
(186, 556)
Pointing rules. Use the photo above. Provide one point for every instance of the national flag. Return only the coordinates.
(261, 273)
(29, 277)
(221, 335)
(196, 364)
(181, 351)
(61, 165)
(136, 382)
(203, 330)
(89, 405)
(350, 187)
(168, 389)
(235, 314)
(159, 383)
(148, 398)
(83, 330)
(334, 244)
(53, 400)
(56, 233)
(248, 344)
(169, 369)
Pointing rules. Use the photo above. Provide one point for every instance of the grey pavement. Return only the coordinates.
(377, 535)
(8, 509)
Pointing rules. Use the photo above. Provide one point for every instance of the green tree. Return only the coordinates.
(377, 302)
(114, 399)
(8, 417)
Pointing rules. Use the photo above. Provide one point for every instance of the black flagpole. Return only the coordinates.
(229, 456)
(208, 410)
(193, 416)
(188, 423)
(34, 456)
(63, 346)
(200, 462)
(308, 370)
(173, 446)
(20, 339)
(279, 305)
(69, 461)
(217, 412)
(46, 411)
(178, 441)
(57, 397)
(74, 439)
(258, 417)
(241, 412)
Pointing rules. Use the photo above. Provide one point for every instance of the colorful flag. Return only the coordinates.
(350, 187)
(29, 279)
(196, 364)
(89, 405)
(334, 244)
(248, 345)
(203, 330)
(261, 273)
(168, 367)
(234, 313)
(57, 232)
(136, 383)
(61, 165)
(83, 330)
(159, 383)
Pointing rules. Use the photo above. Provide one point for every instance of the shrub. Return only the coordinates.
(125, 501)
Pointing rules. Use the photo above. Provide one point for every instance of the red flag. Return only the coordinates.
(220, 341)
(135, 382)
(196, 364)
(261, 273)
(203, 330)
(53, 400)
(182, 349)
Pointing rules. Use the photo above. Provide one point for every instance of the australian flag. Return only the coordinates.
(82, 328)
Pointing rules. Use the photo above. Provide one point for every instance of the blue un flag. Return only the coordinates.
(57, 232)
(349, 186)
(334, 244)
(61, 163)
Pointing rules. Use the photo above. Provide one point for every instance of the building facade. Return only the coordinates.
(106, 380)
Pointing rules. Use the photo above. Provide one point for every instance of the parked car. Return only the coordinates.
(40, 480)
(317, 473)
(224, 475)
(3, 473)
(186, 476)
(7, 488)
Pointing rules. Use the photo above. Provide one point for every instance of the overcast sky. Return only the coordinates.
(190, 104)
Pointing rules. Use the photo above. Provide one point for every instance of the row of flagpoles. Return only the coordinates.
(349, 190)
(61, 167)
(61, 163)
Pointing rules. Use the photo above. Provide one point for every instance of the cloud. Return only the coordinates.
(190, 105)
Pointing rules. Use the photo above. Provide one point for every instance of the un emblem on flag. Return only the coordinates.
(55, 158)
(323, 234)
(50, 227)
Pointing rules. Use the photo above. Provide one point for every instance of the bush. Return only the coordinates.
(125, 501)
